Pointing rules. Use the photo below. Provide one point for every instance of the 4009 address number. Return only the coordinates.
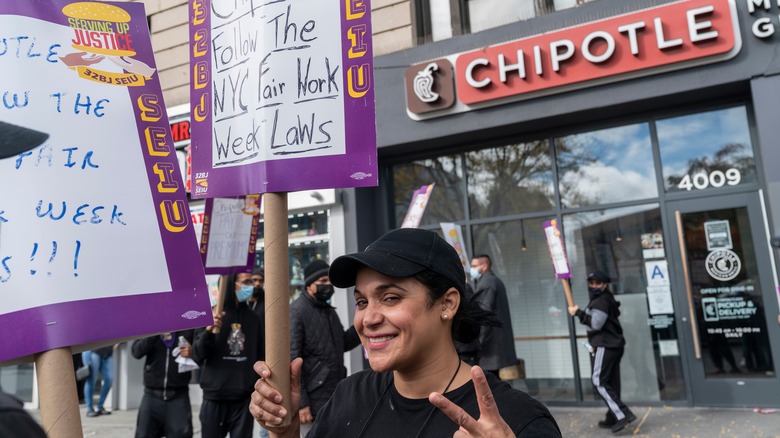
(716, 178)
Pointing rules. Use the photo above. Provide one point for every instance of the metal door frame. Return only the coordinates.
(728, 391)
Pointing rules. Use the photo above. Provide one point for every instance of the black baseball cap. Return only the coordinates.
(599, 276)
(402, 253)
(16, 139)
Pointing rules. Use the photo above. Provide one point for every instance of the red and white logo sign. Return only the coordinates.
(650, 41)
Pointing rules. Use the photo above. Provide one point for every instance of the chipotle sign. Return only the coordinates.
(650, 41)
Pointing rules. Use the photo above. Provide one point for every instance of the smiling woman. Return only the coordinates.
(409, 289)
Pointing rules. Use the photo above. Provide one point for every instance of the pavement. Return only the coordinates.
(651, 422)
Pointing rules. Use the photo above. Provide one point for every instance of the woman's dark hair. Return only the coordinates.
(470, 317)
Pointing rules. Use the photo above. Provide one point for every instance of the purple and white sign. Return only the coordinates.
(282, 96)
(229, 236)
(96, 238)
(557, 251)
(417, 206)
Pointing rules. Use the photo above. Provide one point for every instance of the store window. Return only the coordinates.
(442, 19)
(308, 240)
(606, 166)
(17, 380)
(706, 151)
(510, 179)
(448, 195)
(622, 242)
(538, 308)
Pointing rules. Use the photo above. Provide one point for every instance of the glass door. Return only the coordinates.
(724, 283)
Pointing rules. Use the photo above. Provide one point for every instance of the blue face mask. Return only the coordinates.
(244, 293)
(474, 273)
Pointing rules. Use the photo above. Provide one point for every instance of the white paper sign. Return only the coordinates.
(659, 299)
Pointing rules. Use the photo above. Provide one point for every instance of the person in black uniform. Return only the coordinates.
(605, 336)
(226, 360)
(165, 409)
(408, 313)
(318, 337)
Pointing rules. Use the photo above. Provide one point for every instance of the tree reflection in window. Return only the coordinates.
(699, 151)
(511, 179)
(446, 202)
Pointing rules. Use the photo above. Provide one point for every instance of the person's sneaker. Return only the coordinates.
(621, 424)
(607, 423)
(91, 413)
(102, 411)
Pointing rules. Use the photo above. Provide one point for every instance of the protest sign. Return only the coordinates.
(558, 255)
(96, 239)
(417, 206)
(282, 96)
(454, 236)
(229, 236)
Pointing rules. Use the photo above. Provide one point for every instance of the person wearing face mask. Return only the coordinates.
(318, 337)
(605, 336)
(226, 360)
(497, 344)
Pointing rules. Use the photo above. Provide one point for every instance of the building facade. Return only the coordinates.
(645, 128)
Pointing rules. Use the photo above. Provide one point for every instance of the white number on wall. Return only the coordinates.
(716, 178)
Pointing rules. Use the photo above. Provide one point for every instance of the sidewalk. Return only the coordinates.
(652, 422)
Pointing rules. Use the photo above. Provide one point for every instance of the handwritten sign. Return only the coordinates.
(282, 94)
(557, 250)
(229, 236)
(96, 239)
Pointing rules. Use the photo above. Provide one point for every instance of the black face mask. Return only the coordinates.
(594, 292)
(258, 292)
(324, 292)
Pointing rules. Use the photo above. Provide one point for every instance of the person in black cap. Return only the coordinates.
(318, 337)
(605, 336)
(409, 311)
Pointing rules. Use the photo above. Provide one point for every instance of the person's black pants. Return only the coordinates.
(606, 379)
(218, 418)
(158, 417)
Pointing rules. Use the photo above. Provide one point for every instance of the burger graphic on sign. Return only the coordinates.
(101, 34)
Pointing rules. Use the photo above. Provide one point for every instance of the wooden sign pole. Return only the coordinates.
(57, 393)
(567, 291)
(223, 287)
(277, 297)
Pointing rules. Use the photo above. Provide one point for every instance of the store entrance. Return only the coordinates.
(724, 283)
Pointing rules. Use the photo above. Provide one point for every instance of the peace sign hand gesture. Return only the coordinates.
(490, 423)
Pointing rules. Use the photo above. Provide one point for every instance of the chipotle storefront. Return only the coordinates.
(648, 130)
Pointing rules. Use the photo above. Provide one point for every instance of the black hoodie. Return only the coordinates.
(226, 363)
(610, 334)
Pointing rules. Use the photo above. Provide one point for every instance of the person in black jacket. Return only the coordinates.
(605, 336)
(165, 408)
(497, 344)
(226, 360)
(317, 336)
